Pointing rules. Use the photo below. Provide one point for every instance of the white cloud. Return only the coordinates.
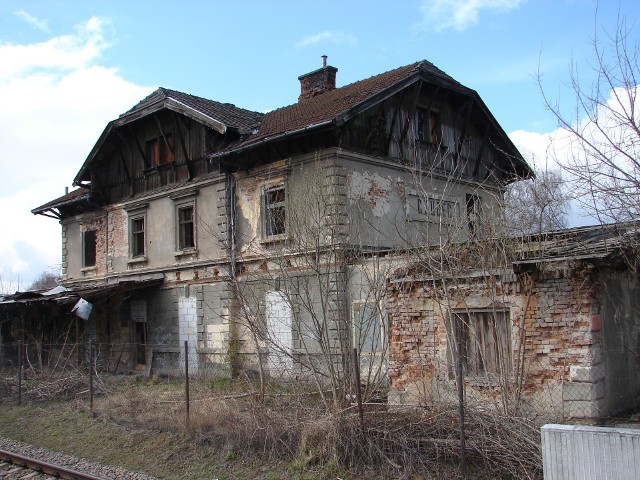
(56, 100)
(441, 15)
(335, 37)
(33, 21)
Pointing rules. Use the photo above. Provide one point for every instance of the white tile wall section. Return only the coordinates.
(188, 330)
(573, 452)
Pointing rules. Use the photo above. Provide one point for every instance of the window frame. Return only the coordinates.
(133, 235)
(484, 335)
(427, 125)
(179, 227)
(268, 207)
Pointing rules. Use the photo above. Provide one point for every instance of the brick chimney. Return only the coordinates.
(317, 82)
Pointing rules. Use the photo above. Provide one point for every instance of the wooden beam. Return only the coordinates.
(463, 130)
(183, 144)
(140, 149)
(164, 137)
(126, 169)
(476, 167)
(412, 110)
(373, 125)
(393, 120)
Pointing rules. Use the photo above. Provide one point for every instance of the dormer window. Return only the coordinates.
(427, 125)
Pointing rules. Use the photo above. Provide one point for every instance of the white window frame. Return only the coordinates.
(133, 255)
(267, 208)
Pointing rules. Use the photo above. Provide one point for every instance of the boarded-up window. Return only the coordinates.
(367, 327)
(274, 210)
(484, 341)
(186, 227)
(89, 248)
(279, 333)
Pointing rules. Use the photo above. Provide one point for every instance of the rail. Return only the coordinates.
(45, 467)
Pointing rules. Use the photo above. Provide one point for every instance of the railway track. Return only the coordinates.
(16, 466)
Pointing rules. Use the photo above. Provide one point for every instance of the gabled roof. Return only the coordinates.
(339, 105)
(216, 115)
(219, 116)
(334, 107)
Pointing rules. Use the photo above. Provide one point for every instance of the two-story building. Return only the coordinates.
(263, 239)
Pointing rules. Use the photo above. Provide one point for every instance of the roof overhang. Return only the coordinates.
(167, 103)
(71, 294)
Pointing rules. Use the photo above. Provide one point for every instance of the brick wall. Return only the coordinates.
(555, 327)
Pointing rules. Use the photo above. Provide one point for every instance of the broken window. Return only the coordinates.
(137, 237)
(186, 227)
(367, 327)
(484, 342)
(89, 248)
(274, 211)
(427, 125)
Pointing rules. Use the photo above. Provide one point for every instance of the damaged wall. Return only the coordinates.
(566, 358)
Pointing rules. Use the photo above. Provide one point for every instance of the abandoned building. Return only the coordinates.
(272, 242)
(552, 330)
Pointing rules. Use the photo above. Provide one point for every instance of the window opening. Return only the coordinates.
(484, 340)
(89, 248)
(137, 237)
(426, 124)
(274, 211)
(186, 228)
(474, 211)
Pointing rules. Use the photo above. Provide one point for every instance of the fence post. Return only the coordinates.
(356, 361)
(19, 372)
(461, 412)
(186, 382)
(91, 375)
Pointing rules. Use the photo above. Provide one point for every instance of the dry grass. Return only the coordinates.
(288, 429)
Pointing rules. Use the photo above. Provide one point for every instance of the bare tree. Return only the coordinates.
(536, 205)
(602, 130)
(47, 280)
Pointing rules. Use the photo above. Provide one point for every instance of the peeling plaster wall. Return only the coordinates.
(565, 355)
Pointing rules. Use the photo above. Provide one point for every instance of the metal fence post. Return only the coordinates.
(91, 375)
(19, 372)
(356, 363)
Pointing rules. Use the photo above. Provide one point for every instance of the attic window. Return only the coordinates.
(427, 125)
(158, 151)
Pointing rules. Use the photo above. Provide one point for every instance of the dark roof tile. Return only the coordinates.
(239, 118)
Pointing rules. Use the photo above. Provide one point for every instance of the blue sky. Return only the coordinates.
(68, 67)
